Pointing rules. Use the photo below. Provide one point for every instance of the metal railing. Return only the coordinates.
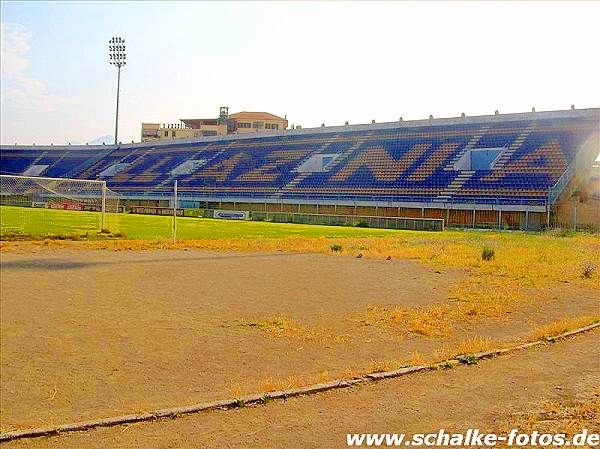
(564, 179)
(417, 224)
(333, 199)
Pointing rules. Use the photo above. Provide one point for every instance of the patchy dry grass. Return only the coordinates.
(514, 249)
(552, 407)
(379, 366)
(522, 266)
(468, 302)
(559, 327)
(464, 347)
(430, 321)
(467, 346)
(283, 327)
(524, 259)
(273, 384)
(483, 297)
(572, 419)
(416, 359)
(569, 419)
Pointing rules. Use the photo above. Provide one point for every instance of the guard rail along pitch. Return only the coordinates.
(415, 224)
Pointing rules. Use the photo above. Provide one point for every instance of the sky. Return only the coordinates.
(316, 62)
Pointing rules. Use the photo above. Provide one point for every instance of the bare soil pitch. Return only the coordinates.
(88, 334)
(495, 396)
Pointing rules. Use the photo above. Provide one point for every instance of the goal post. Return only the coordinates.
(20, 192)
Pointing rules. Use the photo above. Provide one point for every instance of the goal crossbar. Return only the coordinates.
(45, 178)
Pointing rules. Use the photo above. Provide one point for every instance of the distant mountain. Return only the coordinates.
(108, 139)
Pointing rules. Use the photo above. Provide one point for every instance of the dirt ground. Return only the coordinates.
(88, 334)
(515, 391)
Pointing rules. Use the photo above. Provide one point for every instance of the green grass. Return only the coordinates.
(52, 222)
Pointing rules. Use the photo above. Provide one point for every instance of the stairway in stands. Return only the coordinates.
(97, 165)
(344, 156)
(292, 184)
(84, 166)
(123, 175)
(457, 183)
(350, 153)
(471, 144)
(319, 150)
(30, 171)
(168, 179)
(504, 158)
(39, 158)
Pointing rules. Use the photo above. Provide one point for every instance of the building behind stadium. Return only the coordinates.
(238, 123)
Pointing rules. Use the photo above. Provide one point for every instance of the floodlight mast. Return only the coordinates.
(116, 53)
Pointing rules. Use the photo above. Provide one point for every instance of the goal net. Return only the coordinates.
(44, 206)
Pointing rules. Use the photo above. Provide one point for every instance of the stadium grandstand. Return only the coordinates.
(511, 171)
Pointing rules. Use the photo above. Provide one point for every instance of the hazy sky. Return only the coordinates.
(316, 62)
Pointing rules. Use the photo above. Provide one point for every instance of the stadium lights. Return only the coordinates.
(116, 54)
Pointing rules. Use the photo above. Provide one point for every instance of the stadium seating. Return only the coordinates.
(405, 162)
(17, 161)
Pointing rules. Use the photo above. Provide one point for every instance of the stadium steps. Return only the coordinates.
(92, 170)
(39, 158)
(343, 157)
(97, 167)
(125, 175)
(455, 185)
(505, 157)
(168, 181)
(350, 153)
(198, 154)
(319, 150)
(215, 156)
(37, 161)
(55, 163)
(83, 167)
(471, 144)
(292, 184)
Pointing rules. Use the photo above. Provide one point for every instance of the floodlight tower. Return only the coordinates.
(116, 52)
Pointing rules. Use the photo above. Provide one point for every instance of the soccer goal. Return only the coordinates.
(33, 205)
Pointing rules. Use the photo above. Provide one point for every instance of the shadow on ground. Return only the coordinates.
(62, 264)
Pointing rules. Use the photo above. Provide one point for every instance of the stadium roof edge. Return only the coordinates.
(467, 120)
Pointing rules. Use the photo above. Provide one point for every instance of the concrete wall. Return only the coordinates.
(573, 214)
